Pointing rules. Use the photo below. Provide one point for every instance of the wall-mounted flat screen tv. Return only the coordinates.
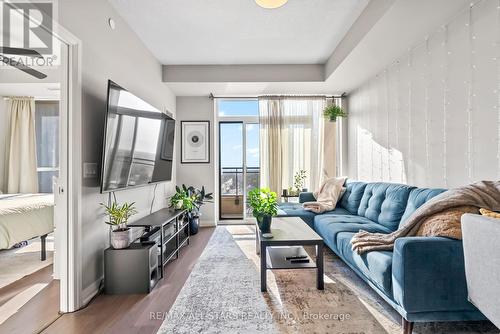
(138, 142)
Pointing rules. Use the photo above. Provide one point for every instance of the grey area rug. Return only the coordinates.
(222, 295)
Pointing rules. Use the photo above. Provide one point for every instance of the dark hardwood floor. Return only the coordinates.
(132, 313)
(39, 311)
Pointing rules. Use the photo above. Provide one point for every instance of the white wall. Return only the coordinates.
(432, 118)
(197, 109)
(120, 56)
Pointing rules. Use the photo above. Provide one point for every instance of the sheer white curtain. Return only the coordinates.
(21, 165)
(291, 139)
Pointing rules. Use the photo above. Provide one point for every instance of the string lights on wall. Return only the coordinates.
(398, 112)
(471, 94)
(497, 90)
(409, 106)
(388, 145)
(426, 78)
(435, 97)
(447, 54)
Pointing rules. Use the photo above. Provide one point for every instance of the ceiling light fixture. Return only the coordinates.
(271, 4)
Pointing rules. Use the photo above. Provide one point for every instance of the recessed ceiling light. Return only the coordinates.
(270, 4)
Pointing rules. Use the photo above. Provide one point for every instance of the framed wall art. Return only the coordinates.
(195, 142)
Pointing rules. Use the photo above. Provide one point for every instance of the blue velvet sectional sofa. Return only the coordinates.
(423, 278)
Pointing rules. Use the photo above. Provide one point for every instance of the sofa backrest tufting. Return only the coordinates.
(384, 203)
(419, 196)
(352, 196)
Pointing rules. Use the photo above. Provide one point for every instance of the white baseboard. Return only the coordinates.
(207, 223)
(91, 291)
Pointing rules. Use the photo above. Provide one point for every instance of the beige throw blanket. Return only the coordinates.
(327, 196)
(483, 194)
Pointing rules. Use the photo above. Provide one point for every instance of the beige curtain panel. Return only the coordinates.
(292, 138)
(21, 171)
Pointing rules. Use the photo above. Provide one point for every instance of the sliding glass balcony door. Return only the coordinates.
(252, 160)
(238, 155)
(231, 170)
(239, 167)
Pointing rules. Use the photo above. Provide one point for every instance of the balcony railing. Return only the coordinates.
(232, 189)
(232, 180)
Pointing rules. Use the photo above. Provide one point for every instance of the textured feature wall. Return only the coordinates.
(432, 118)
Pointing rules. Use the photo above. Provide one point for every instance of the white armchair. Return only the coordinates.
(481, 240)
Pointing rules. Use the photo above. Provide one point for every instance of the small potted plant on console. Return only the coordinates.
(118, 217)
(264, 204)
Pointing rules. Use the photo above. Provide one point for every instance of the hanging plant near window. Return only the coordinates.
(333, 111)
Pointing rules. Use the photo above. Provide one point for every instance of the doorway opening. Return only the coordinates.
(239, 157)
(41, 286)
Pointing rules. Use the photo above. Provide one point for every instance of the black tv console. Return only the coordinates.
(168, 229)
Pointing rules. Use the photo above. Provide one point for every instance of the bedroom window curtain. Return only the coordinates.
(291, 139)
(21, 170)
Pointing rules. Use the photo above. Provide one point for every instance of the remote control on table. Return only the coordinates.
(295, 257)
(300, 261)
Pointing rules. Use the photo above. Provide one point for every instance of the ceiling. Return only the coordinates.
(404, 25)
(182, 32)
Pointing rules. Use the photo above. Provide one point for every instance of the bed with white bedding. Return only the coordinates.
(25, 216)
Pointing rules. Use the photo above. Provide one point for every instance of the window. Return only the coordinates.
(235, 108)
(47, 143)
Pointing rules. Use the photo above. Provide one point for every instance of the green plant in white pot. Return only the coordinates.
(118, 217)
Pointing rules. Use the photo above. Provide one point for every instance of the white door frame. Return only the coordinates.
(244, 120)
(70, 268)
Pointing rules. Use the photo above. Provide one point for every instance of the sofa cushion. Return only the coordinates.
(384, 203)
(352, 196)
(328, 226)
(417, 197)
(337, 212)
(296, 210)
(375, 266)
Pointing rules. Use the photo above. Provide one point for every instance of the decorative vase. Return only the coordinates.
(264, 222)
(333, 118)
(120, 238)
(194, 224)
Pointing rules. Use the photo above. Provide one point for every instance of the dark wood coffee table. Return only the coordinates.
(289, 235)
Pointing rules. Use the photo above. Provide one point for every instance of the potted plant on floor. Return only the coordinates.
(333, 111)
(264, 204)
(191, 199)
(118, 217)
